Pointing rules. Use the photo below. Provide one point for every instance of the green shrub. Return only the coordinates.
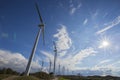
(8, 71)
(42, 75)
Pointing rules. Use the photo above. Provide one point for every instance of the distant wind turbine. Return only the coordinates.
(55, 57)
(63, 70)
(41, 29)
(42, 64)
(59, 69)
(67, 71)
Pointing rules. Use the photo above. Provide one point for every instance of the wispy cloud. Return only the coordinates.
(4, 35)
(16, 61)
(105, 61)
(48, 55)
(73, 8)
(85, 21)
(108, 67)
(103, 68)
(112, 24)
(72, 11)
(63, 42)
(94, 15)
(83, 54)
(72, 60)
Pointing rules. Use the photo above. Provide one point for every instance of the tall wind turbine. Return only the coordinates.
(41, 29)
(55, 57)
(50, 66)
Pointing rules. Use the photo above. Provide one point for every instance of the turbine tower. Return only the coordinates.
(59, 69)
(67, 71)
(63, 70)
(50, 66)
(55, 57)
(41, 29)
(42, 64)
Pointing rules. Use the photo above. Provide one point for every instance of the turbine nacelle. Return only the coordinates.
(41, 25)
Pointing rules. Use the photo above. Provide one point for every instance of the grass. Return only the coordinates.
(42, 75)
(2, 76)
(26, 78)
(61, 78)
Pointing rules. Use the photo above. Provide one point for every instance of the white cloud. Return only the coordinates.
(112, 24)
(108, 67)
(105, 61)
(103, 68)
(79, 5)
(77, 58)
(94, 14)
(83, 54)
(48, 54)
(85, 21)
(72, 60)
(63, 42)
(73, 9)
(16, 61)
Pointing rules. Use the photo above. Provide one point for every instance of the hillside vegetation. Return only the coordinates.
(26, 78)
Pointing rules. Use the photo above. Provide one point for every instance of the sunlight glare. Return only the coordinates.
(104, 44)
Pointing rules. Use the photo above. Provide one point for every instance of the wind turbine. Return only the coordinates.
(59, 69)
(55, 57)
(63, 70)
(50, 66)
(42, 64)
(41, 29)
(67, 71)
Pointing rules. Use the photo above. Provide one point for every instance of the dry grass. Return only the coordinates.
(26, 78)
(2, 76)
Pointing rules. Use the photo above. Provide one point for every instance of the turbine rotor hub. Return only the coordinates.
(41, 25)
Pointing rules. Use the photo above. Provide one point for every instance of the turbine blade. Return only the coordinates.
(43, 35)
(40, 17)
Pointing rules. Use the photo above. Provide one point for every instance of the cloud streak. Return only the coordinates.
(85, 21)
(112, 24)
(73, 8)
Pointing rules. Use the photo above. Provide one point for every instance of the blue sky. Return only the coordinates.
(86, 33)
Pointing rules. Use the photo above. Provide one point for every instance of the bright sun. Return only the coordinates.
(104, 44)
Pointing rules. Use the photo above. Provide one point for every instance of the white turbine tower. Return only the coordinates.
(42, 66)
(50, 63)
(63, 70)
(55, 57)
(59, 69)
(41, 29)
